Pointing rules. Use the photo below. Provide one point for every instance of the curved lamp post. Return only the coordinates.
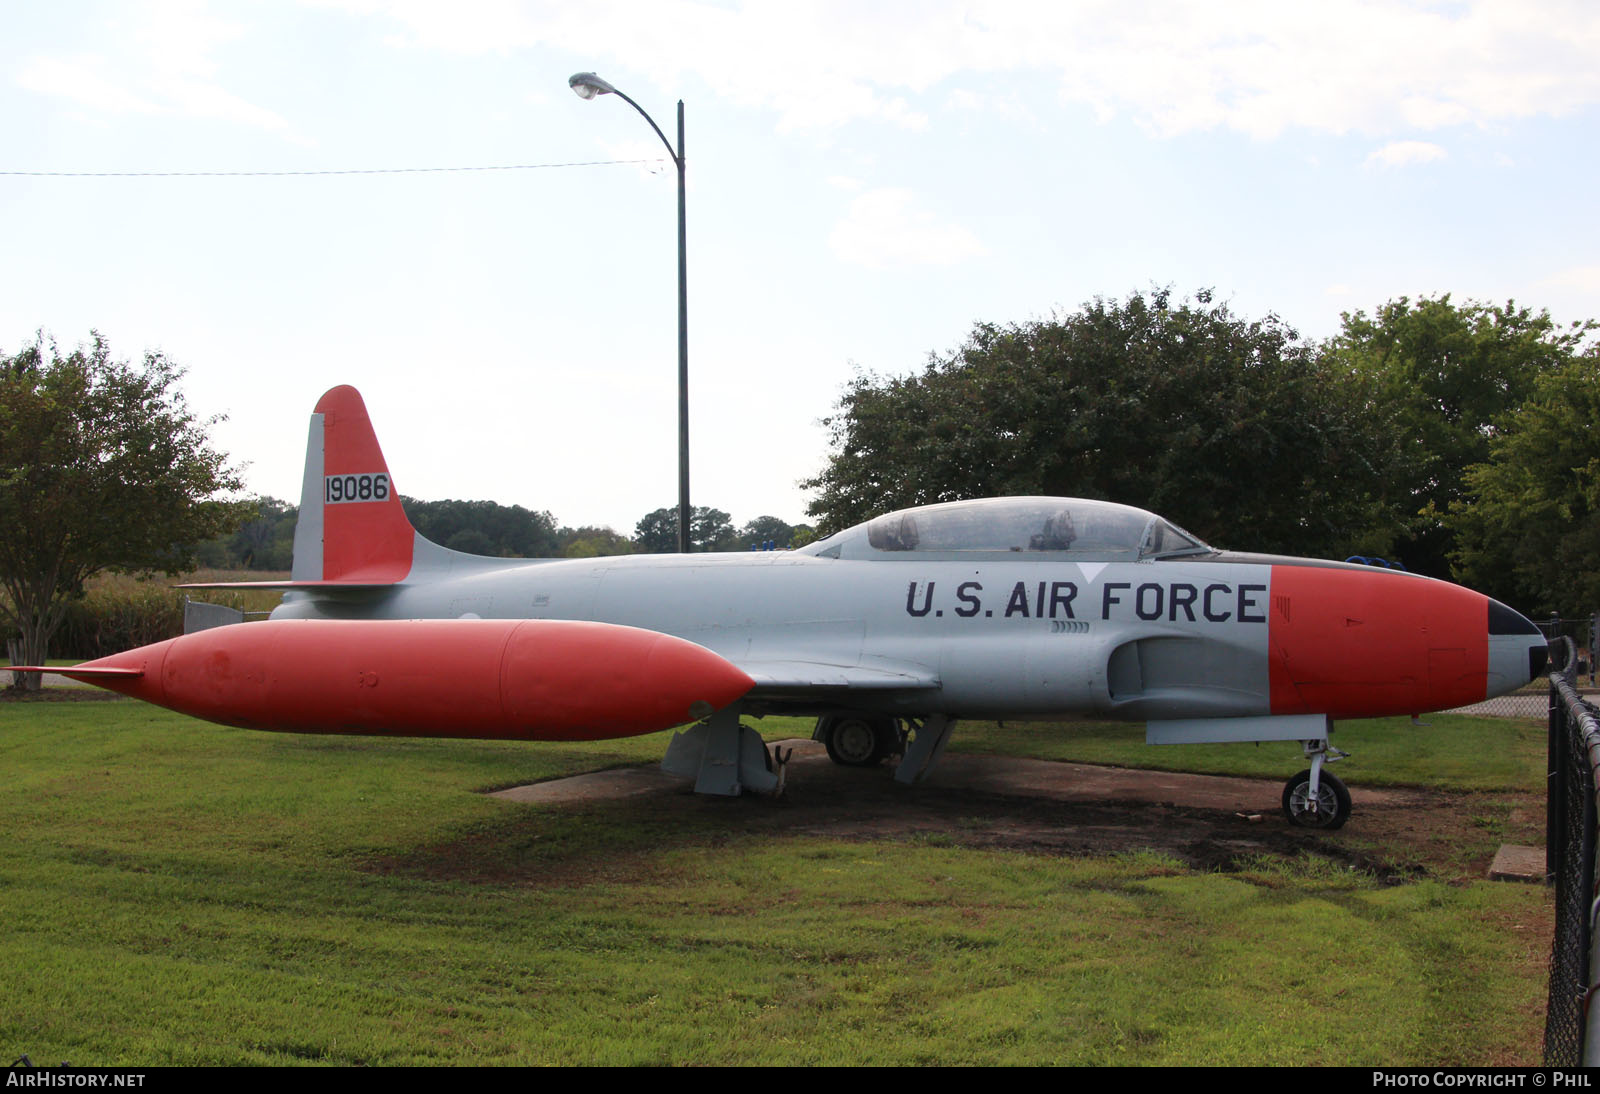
(588, 86)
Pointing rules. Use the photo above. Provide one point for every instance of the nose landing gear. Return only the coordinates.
(1314, 798)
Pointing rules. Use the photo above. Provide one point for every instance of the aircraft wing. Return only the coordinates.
(786, 676)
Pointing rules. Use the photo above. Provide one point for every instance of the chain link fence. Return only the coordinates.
(1570, 1039)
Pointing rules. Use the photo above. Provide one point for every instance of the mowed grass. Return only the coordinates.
(1448, 751)
(179, 893)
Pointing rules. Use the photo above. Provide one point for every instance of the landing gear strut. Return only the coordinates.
(1314, 798)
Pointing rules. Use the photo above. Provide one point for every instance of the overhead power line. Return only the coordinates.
(342, 171)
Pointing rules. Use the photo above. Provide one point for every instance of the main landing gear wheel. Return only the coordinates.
(1332, 806)
(854, 741)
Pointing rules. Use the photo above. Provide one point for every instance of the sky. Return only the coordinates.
(866, 181)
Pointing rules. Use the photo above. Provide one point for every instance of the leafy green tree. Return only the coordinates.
(471, 541)
(764, 530)
(709, 530)
(1527, 531)
(484, 527)
(1230, 427)
(657, 532)
(265, 541)
(592, 541)
(102, 466)
(1449, 373)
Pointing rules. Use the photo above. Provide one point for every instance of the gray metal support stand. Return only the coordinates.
(724, 757)
(925, 749)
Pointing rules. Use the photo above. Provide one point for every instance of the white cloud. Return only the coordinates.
(203, 99)
(1406, 153)
(888, 227)
(1261, 67)
(988, 106)
(1585, 279)
(79, 80)
(1173, 66)
(167, 65)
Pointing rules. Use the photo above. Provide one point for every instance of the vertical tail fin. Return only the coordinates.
(352, 526)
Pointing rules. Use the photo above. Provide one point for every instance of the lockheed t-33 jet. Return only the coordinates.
(888, 633)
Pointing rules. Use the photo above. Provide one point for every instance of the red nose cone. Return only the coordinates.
(1365, 643)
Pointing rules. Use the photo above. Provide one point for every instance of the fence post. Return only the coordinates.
(1555, 767)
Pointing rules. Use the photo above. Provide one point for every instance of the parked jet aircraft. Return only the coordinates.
(1006, 608)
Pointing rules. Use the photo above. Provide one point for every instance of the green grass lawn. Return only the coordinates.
(180, 893)
(1453, 751)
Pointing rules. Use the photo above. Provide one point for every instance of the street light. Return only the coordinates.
(587, 86)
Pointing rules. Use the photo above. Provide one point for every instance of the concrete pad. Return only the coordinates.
(1519, 705)
(1517, 863)
(619, 782)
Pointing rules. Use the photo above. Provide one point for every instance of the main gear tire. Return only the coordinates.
(853, 740)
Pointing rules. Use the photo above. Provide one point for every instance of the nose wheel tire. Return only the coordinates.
(1332, 807)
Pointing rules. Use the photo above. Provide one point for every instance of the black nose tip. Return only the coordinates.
(1538, 657)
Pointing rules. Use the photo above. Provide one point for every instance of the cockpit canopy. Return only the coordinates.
(1098, 531)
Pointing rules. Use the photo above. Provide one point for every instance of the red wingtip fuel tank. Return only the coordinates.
(1361, 643)
(553, 680)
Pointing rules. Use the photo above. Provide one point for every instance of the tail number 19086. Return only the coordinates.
(342, 488)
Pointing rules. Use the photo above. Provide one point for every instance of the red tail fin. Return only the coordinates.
(352, 527)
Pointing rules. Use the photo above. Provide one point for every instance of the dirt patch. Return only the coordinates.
(1042, 807)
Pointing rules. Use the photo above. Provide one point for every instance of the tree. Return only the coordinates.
(472, 542)
(266, 541)
(764, 530)
(484, 527)
(592, 541)
(1450, 373)
(709, 530)
(102, 466)
(1527, 531)
(1232, 428)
